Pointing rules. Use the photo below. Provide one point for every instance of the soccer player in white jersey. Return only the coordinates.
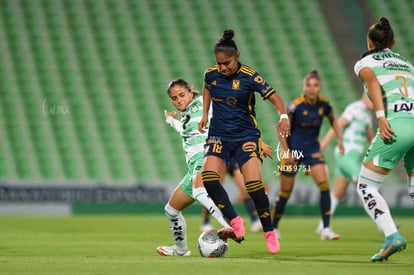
(191, 188)
(389, 79)
(356, 125)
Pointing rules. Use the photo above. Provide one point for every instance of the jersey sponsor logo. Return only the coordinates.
(382, 56)
(315, 123)
(231, 101)
(404, 107)
(249, 146)
(236, 84)
(392, 65)
(214, 83)
(259, 80)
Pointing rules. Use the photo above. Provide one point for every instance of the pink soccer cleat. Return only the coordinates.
(228, 233)
(272, 242)
(238, 226)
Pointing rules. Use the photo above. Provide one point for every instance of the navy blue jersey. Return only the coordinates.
(233, 100)
(306, 123)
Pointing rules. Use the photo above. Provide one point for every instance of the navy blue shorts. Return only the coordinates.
(232, 166)
(234, 152)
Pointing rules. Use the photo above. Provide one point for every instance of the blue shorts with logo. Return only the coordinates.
(239, 152)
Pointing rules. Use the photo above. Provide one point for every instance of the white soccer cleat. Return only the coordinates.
(319, 229)
(277, 234)
(170, 251)
(256, 226)
(328, 234)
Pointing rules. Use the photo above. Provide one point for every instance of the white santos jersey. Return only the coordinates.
(193, 140)
(359, 121)
(396, 77)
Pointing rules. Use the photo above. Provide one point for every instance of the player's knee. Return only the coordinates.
(209, 176)
(323, 186)
(170, 211)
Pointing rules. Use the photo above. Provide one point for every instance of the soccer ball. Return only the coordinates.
(210, 245)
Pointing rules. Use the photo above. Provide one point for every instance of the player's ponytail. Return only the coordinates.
(228, 34)
(312, 74)
(381, 34)
(226, 43)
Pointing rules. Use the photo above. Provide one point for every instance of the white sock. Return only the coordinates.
(411, 187)
(178, 228)
(334, 204)
(374, 204)
(200, 194)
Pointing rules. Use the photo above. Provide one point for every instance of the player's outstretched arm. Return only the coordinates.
(374, 91)
(170, 119)
(342, 122)
(337, 131)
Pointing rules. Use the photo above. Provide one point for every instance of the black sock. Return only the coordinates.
(218, 194)
(251, 209)
(206, 216)
(325, 205)
(261, 202)
(279, 207)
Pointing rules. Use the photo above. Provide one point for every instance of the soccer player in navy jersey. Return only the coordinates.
(229, 87)
(301, 150)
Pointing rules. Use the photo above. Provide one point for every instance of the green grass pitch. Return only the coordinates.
(126, 245)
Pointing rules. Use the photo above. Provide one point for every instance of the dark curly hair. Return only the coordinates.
(226, 43)
(312, 74)
(381, 34)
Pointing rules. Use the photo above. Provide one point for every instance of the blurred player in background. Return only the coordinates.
(233, 133)
(191, 188)
(389, 79)
(356, 125)
(301, 151)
